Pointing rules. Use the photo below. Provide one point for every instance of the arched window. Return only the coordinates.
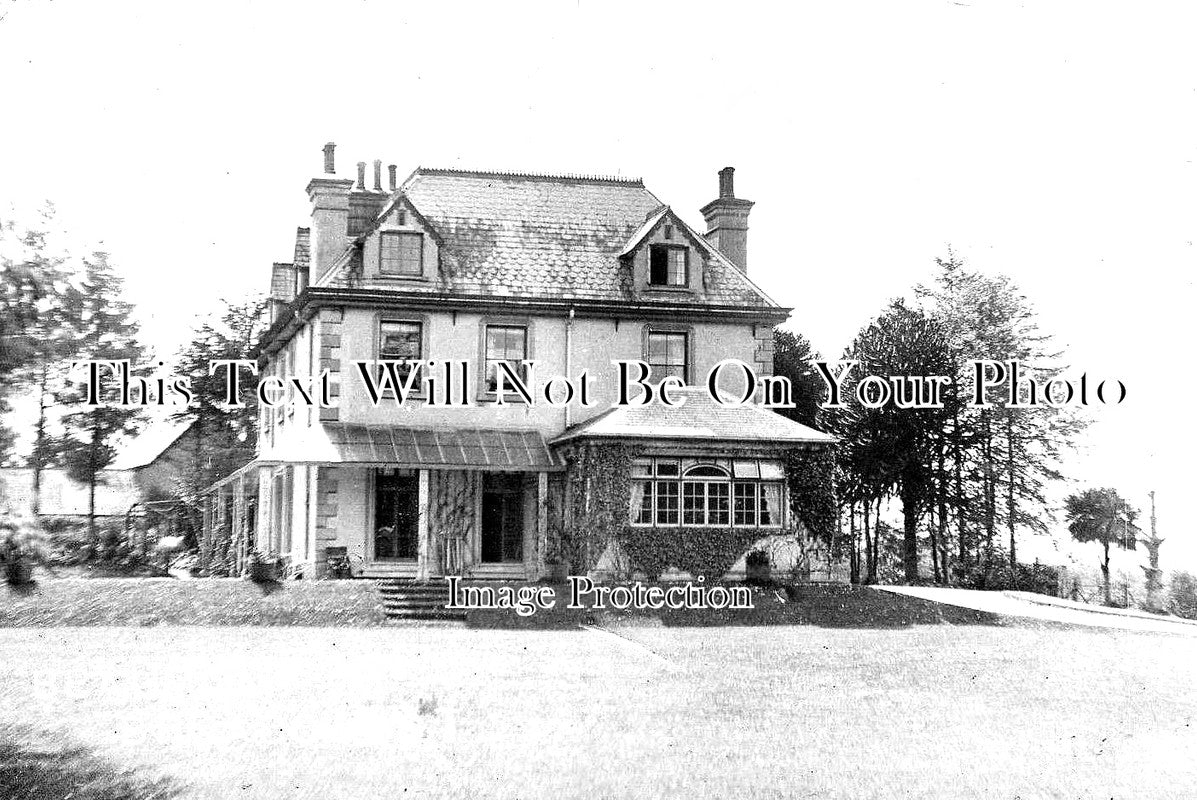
(706, 496)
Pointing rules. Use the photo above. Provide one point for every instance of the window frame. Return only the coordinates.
(399, 234)
(485, 393)
(670, 248)
(687, 483)
(384, 318)
(683, 330)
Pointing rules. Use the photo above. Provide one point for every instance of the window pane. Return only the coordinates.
(666, 502)
(403, 342)
(772, 471)
(745, 469)
(667, 468)
(667, 354)
(717, 503)
(642, 502)
(505, 343)
(694, 503)
(771, 512)
(745, 504)
(677, 267)
(401, 253)
(658, 265)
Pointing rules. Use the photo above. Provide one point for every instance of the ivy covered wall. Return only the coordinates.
(598, 490)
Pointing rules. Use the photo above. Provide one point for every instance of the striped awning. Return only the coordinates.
(431, 448)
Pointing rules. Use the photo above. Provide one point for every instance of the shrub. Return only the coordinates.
(1182, 595)
(22, 545)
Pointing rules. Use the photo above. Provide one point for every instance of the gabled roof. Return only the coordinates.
(543, 237)
(701, 417)
(148, 445)
(400, 200)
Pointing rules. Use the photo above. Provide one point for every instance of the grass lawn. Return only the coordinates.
(639, 710)
(169, 601)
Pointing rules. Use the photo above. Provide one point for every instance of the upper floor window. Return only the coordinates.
(401, 253)
(668, 265)
(505, 343)
(401, 341)
(668, 354)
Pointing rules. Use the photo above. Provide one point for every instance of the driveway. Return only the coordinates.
(1027, 605)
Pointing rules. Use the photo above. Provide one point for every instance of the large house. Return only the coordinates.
(572, 272)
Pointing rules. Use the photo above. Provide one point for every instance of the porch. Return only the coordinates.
(409, 503)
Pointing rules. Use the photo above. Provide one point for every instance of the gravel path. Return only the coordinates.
(1051, 609)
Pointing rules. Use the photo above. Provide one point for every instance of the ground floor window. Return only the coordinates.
(745, 493)
(396, 515)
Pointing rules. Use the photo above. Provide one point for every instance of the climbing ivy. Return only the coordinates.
(810, 475)
(709, 552)
(598, 490)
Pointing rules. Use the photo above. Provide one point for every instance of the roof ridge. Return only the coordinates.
(566, 177)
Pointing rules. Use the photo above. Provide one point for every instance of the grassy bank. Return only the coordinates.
(169, 601)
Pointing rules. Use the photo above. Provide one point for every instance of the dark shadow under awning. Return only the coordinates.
(429, 448)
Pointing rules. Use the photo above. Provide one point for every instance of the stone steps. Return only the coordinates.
(406, 599)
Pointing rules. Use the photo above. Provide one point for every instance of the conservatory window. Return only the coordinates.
(717, 493)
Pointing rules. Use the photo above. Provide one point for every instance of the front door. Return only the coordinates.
(502, 518)
(396, 516)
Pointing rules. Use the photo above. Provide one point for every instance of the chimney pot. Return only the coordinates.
(727, 177)
(361, 176)
(377, 175)
(394, 178)
(329, 166)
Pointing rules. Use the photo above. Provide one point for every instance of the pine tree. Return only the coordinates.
(107, 332)
(891, 450)
(222, 438)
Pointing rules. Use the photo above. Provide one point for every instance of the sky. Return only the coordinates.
(1053, 142)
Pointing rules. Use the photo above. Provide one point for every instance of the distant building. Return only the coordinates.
(164, 457)
(116, 492)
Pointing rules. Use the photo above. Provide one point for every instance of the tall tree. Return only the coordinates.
(890, 448)
(222, 438)
(997, 459)
(109, 333)
(1101, 515)
(27, 279)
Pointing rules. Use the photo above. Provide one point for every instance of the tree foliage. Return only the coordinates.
(1102, 516)
(889, 450)
(109, 333)
(792, 357)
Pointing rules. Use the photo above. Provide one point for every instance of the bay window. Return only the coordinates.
(707, 493)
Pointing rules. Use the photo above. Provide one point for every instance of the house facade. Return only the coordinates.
(452, 281)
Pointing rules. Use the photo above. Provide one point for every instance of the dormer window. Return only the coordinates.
(401, 253)
(668, 265)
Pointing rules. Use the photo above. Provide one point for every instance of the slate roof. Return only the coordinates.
(701, 417)
(544, 237)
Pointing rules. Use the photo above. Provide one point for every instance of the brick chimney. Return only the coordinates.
(727, 221)
(330, 216)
